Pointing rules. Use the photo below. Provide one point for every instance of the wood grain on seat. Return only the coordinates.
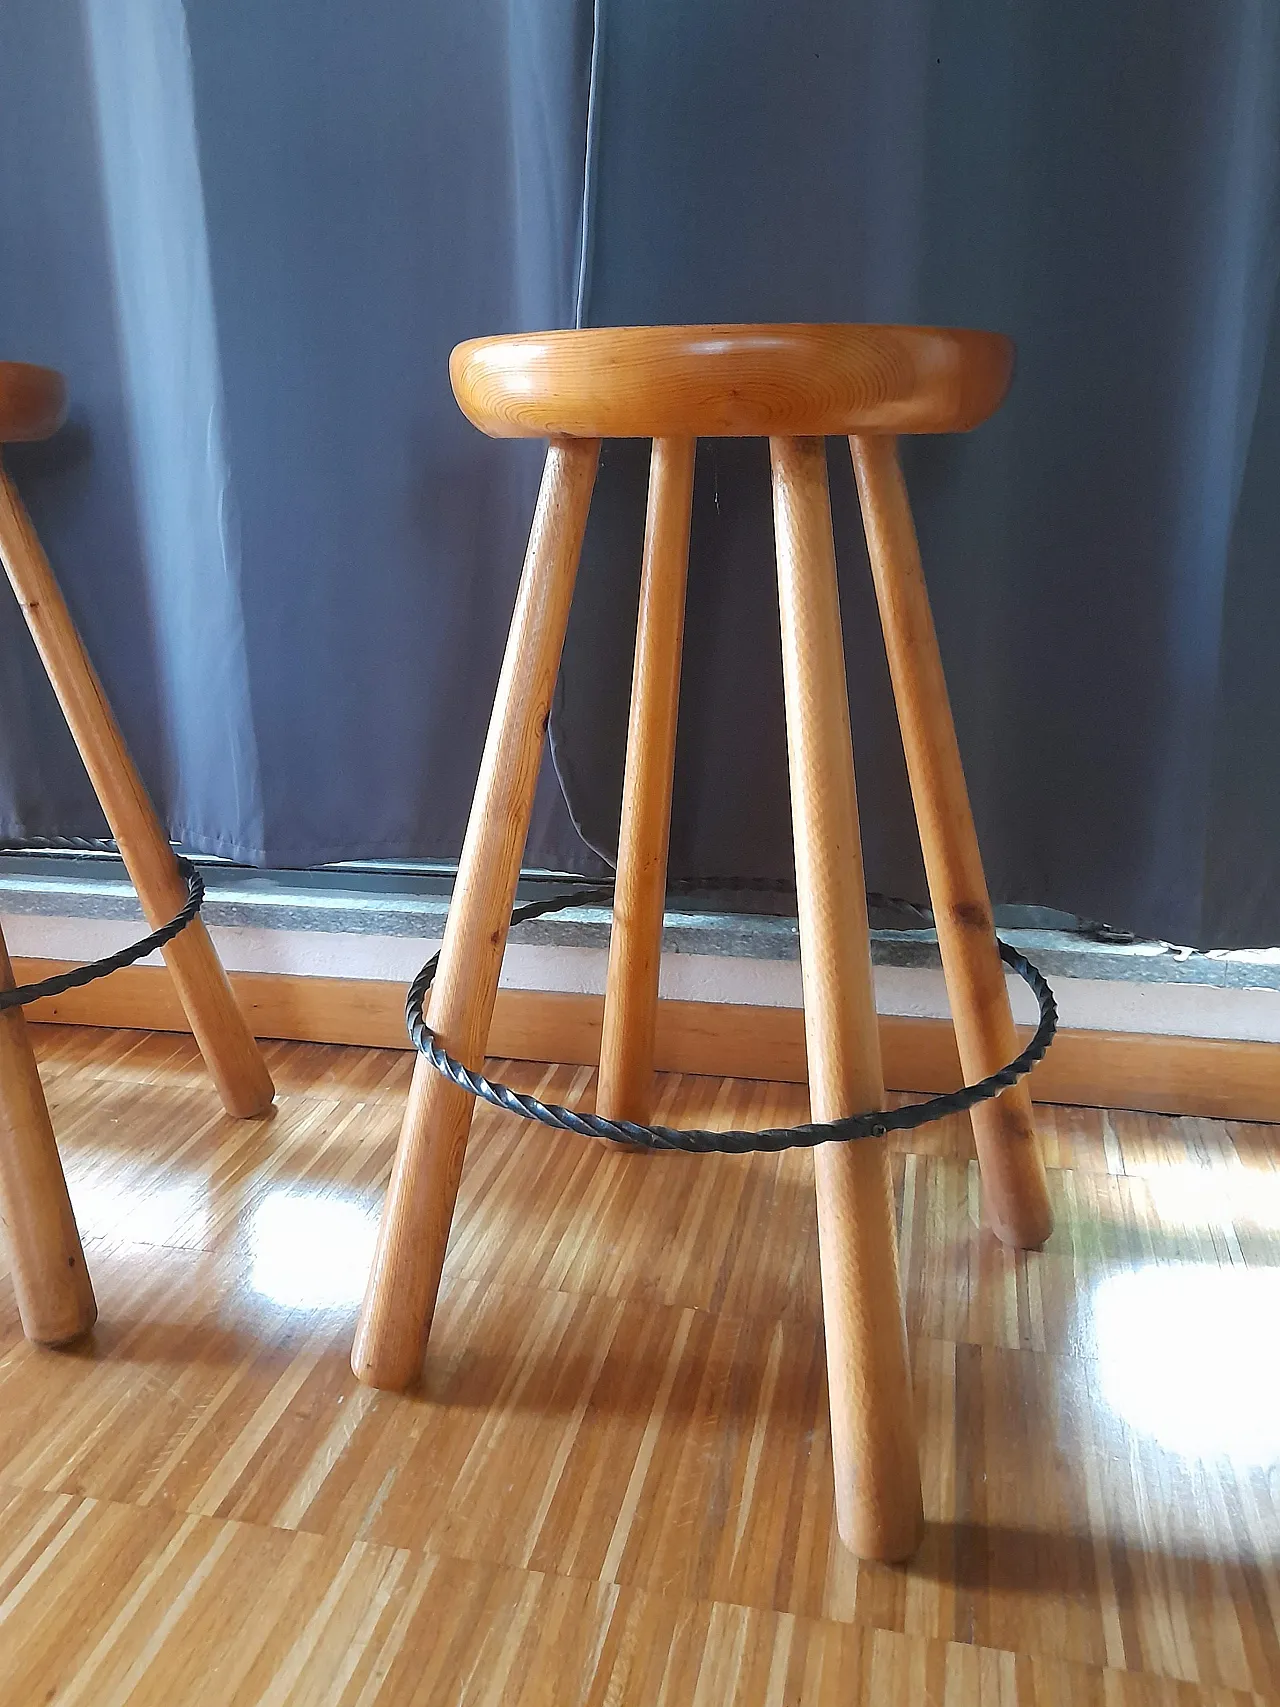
(33, 401)
(731, 381)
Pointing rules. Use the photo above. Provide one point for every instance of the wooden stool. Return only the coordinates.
(794, 385)
(55, 1298)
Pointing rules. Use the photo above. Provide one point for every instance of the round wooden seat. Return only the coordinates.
(731, 381)
(33, 401)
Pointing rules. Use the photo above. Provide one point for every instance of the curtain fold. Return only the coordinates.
(1101, 555)
(250, 236)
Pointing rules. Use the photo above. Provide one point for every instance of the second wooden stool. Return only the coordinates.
(51, 1283)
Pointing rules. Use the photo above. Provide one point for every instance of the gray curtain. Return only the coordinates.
(250, 234)
(1100, 181)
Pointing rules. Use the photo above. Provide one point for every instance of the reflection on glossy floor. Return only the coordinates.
(615, 1485)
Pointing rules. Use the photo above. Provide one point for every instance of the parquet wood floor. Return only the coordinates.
(613, 1486)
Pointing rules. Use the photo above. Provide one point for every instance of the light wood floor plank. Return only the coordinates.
(231, 1614)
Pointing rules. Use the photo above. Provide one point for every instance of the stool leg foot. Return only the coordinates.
(625, 1087)
(1013, 1178)
(228, 1047)
(50, 1279)
(877, 1474)
(414, 1232)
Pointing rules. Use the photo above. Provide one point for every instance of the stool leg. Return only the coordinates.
(625, 1087)
(414, 1232)
(230, 1053)
(1013, 1176)
(50, 1279)
(878, 1500)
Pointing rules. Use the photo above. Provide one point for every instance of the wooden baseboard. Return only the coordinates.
(1159, 1074)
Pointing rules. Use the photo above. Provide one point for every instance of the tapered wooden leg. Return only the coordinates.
(1013, 1180)
(228, 1047)
(625, 1089)
(878, 1500)
(50, 1279)
(409, 1257)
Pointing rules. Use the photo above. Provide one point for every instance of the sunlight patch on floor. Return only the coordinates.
(311, 1249)
(1186, 1356)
